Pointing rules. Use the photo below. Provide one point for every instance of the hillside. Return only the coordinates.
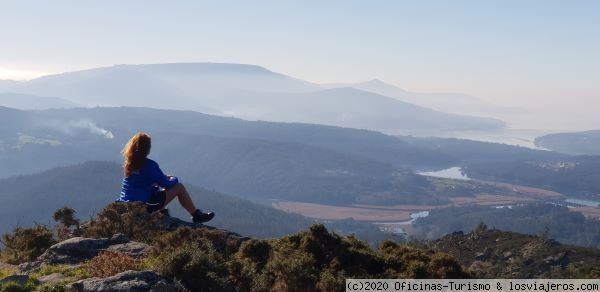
(259, 160)
(33, 102)
(576, 176)
(492, 253)
(7, 85)
(249, 168)
(469, 151)
(345, 107)
(90, 186)
(580, 143)
(243, 91)
(555, 222)
(442, 101)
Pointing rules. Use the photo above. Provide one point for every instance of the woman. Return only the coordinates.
(145, 182)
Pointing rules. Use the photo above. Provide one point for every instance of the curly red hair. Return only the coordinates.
(135, 153)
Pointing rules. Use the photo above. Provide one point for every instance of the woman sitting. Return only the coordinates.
(145, 182)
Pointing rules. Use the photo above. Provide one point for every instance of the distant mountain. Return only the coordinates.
(458, 103)
(469, 151)
(244, 91)
(582, 143)
(32, 102)
(7, 85)
(350, 107)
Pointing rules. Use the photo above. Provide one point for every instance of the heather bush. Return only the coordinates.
(109, 263)
(130, 219)
(197, 265)
(68, 224)
(25, 244)
(184, 235)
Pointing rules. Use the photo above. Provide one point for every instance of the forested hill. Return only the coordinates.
(576, 176)
(90, 186)
(582, 143)
(556, 222)
(492, 253)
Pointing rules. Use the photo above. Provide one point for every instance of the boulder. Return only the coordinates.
(19, 279)
(52, 278)
(482, 256)
(78, 249)
(126, 281)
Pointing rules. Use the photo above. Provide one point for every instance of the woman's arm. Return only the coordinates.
(160, 178)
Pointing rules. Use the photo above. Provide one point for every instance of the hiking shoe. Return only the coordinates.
(200, 217)
(165, 212)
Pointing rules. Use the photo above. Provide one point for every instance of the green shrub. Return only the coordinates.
(197, 265)
(26, 244)
(5, 272)
(130, 219)
(184, 235)
(15, 287)
(292, 270)
(68, 224)
(30, 285)
(246, 268)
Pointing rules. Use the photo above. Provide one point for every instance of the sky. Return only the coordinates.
(539, 55)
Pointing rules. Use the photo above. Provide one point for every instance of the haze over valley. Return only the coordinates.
(333, 140)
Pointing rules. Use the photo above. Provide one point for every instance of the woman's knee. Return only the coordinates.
(179, 187)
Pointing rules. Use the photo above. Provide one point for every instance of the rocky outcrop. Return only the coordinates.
(78, 249)
(172, 223)
(75, 251)
(127, 281)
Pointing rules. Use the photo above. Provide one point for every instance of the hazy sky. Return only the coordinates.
(538, 54)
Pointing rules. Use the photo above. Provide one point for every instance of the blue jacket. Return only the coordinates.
(137, 187)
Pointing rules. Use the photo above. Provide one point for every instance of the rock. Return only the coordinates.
(172, 223)
(507, 255)
(19, 279)
(132, 248)
(125, 281)
(558, 260)
(477, 265)
(52, 278)
(78, 249)
(119, 237)
(481, 256)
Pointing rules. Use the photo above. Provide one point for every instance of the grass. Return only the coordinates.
(5, 272)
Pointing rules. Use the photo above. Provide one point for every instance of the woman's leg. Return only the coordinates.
(182, 195)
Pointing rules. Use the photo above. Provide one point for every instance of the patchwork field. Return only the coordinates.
(398, 213)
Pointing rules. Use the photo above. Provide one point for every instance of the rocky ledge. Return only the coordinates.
(74, 252)
(126, 281)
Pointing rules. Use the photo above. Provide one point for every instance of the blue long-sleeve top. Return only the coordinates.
(137, 187)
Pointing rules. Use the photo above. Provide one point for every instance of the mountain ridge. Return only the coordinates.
(245, 91)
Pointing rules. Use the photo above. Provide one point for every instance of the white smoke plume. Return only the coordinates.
(73, 126)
